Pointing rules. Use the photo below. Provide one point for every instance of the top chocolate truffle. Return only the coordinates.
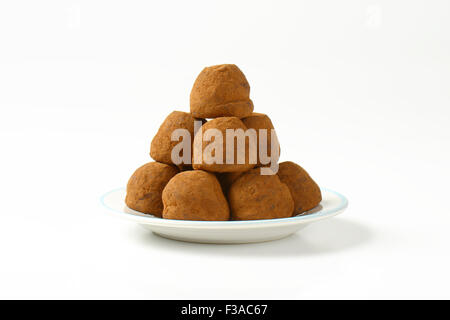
(221, 91)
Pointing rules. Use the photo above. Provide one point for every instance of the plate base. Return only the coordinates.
(230, 238)
(208, 241)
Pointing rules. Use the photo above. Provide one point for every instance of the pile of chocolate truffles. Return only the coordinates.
(218, 192)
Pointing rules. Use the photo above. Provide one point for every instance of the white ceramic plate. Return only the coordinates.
(332, 204)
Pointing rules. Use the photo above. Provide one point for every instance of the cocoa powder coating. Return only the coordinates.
(195, 195)
(144, 188)
(221, 91)
(304, 190)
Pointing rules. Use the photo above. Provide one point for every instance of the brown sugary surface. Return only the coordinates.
(305, 191)
(161, 146)
(222, 124)
(144, 189)
(260, 121)
(221, 91)
(195, 195)
(254, 196)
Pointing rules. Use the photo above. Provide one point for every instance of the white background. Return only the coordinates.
(357, 90)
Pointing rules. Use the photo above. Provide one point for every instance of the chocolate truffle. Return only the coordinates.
(145, 187)
(221, 91)
(305, 192)
(195, 195)
(259, 121)
(204, 147)
(254, 196)
(162, 145)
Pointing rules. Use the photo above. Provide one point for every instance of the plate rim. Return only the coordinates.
(152, 220)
